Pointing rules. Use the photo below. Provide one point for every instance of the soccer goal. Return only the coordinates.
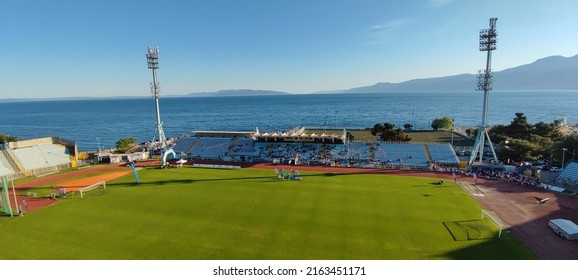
(492, 216)
(92, 187)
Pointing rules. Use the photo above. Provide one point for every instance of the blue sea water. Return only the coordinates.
(93, 121)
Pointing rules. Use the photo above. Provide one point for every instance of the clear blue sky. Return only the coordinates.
(62, 48)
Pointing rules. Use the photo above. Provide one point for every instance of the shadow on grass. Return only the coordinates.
(433, 185)
(437, 194)
(191, 181)
(184, 181)
(467, 230)
(272, 178)
(494, 248)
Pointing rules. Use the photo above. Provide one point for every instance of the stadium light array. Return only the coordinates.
(488, 42)
(152, 55)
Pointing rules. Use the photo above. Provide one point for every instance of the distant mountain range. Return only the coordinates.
(550, 73)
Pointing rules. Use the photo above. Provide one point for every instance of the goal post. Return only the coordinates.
(492, 216)
(92, 187)
(5, 198)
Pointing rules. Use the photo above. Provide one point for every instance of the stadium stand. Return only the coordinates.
(358, 150)
(5, 167)
(30, 157)
(443, 154)
(184, 145)
(36, 156)
(304, 151)
(298, 147)
(570, 171)
(568, 178)
(243, 147)
(211, 148)
(55, 154)
(408, 155)
(337, 152)
(43, 155)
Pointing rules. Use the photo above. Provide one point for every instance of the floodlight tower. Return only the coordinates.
(488, 40)
(152, 55)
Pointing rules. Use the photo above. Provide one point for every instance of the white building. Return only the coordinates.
(565, 228)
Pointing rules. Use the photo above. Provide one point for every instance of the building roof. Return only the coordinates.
(566, 225)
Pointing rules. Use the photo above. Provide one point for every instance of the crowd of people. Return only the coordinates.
(292, 174)
(497, 174)
(360, 154)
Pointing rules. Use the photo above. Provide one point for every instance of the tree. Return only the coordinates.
(471, 132)
(443, 123)
(125, 144)
(401, 136)
(388, 132)
(568, 142)
(521, 140)
(376, 129)
(7, 138)
(408, 126)
(549, 130)
(519, 128)
(499, 133)
(517, 150)
(349, 136)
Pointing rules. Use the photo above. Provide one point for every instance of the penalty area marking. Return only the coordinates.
(472, 189)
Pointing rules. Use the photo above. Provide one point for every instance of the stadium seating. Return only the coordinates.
(211, 148)
(570, 172)
(244, 148)
(184, 144)
(304, 151)
(30, 157)
(337, 151)
(358, 150)
(401, 154)
(443, 153)
(5, 167)
(43, 155)
(55, 154)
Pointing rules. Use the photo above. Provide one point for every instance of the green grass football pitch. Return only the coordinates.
(196, 213)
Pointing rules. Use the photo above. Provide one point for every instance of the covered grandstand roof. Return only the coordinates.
(298, 134)
(206, 133)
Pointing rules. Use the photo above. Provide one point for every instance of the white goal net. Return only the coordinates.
(492, 216)
(92, 187)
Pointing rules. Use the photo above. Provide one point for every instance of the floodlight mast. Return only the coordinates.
(488, 40)
(152, 55)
